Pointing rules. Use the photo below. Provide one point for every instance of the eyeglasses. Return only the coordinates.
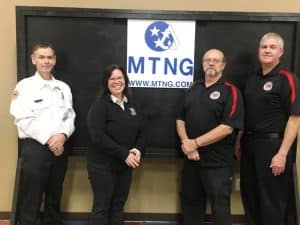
(116, 78)
(214, 61)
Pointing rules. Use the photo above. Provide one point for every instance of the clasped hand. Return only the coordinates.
(189, 148)
(134, 158)
(56, 144)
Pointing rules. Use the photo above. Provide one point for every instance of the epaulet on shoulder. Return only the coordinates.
(24, 81)
(63, 83)
(27, 79)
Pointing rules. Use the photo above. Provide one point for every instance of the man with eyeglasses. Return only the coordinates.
(209, 118)
(272, 120)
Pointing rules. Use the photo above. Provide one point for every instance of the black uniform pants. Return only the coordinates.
(110, 191)
(198, 184)
(265, 197)
(43, 174)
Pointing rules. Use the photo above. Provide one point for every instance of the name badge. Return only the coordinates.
(38, 100)
(132, 111)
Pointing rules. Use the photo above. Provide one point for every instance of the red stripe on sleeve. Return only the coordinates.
(234, 97)
(291, 81)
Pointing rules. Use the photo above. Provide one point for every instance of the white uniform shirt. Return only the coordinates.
(42, 108)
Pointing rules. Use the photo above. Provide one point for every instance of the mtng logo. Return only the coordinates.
(160, 36)
(160, 53)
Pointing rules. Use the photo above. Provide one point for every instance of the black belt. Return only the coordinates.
(263, 135)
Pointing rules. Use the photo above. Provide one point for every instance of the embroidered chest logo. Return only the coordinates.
(268, 86)
(215, 95)
(132, 111)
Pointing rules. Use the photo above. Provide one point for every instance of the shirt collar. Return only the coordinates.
(220, 81)
(41, 82)
(273, 72)
(117, 101)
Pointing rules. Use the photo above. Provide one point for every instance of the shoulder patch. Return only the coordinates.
(15, 94)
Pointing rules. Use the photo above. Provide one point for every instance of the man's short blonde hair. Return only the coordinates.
(273, 35)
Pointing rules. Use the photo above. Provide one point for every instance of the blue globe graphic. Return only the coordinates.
(158, 36)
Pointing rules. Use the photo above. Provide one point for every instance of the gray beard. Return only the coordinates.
(211, 73)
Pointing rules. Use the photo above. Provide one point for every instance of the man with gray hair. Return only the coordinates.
(272, 120)
(209, 118)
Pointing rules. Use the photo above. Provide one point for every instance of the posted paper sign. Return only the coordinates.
(160, 54)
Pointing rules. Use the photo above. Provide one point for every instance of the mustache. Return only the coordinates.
(210, 68)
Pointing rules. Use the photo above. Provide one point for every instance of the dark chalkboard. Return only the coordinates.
(87, 40)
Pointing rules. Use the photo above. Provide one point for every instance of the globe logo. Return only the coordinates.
(160, 36)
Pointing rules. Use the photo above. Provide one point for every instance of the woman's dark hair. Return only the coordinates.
(107, 74)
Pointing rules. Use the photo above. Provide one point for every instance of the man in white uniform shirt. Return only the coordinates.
(44, 115)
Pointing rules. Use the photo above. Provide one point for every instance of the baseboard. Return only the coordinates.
(4, 215)
(133, 217)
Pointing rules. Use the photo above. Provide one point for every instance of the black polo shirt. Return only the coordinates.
(204, 108)
(270, 99)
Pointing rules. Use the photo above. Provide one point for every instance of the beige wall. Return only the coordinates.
(155, 186)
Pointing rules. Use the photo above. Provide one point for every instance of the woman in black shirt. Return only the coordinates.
(114, 126)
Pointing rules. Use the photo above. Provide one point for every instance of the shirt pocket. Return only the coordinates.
(63, 101)
(39, 106)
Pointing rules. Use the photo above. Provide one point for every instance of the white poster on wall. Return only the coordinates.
(160, 54)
